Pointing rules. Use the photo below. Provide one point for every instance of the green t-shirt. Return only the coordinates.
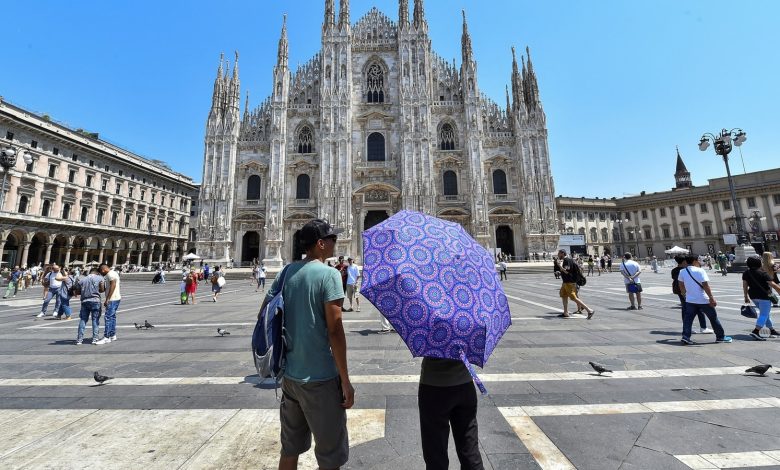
(307, 287)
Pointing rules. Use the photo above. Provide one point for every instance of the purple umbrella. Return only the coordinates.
(437, 286)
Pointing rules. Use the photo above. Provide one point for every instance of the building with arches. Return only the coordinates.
(82, 199)
(374, 123)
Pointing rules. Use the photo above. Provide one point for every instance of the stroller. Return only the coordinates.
(157, 278)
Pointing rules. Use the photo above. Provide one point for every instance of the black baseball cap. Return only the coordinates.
(318, 229)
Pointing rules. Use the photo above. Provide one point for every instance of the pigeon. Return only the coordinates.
(101, 378)
(759, 369)
(147, 324)
(222, 332)
(598, 367)
(137, 326)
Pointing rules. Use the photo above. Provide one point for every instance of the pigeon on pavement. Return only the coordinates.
(598, 367)
(147, 324)
(759, 369)
(137, 326)
(222, 332)
(101, 378)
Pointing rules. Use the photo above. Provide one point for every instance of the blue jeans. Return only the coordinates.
(691, 310)
(64, 308)
(702, 321)
(110, 321)
(764, 309)
(89, 309)
(55, 293)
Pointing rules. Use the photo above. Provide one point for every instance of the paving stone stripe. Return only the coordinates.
(766, 458)
(543, 450)
(646, 407)
(376, 379)
(204, 438)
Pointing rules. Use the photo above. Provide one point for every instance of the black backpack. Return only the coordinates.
(579, 279)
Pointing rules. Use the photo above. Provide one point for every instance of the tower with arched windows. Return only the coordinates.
(373, 123)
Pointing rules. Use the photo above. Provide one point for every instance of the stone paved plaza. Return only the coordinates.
(184, 397)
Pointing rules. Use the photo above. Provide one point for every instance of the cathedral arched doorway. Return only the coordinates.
(373, 218)
(250, 247)
(505, 240)
(11, 251)
(37, 250)
(297, 249)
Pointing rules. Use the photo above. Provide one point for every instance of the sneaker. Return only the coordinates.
(687, 341)
(774, 334)
(757, 336)
(725, 339)
(67, 317)
(349, 309)
(706, 330)
(639, 308)
(358, 309)
(40, 315)
(102, 341)
(113, 338)
(631, 308)
(79, 342)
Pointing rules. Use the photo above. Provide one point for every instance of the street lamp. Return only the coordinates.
(7, 161)
(637, 237)
(723, 143)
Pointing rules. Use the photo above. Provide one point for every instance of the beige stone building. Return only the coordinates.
(82, 199)
(693, 217)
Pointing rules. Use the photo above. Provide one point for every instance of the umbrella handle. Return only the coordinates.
(473, 373)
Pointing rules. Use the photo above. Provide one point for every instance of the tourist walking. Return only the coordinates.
(654, 264)
(502, 270)
(694, 285)
(353, 273)
(681, 264)
(316, 388)
(609, 263)
(89, 288)
(51, 283)
(446, 399)
(723, 263)
(260, 275)
(568, 270)
(768, 265)
(206, 271)
(13, 282)
(590, 265)
(342, 268)
(757, 287)
(111, 304)
(191, 285)
(217, 281)
(603, 264)
(66, 292)
(631, 270)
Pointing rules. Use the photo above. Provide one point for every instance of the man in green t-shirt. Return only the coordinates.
(316, 390)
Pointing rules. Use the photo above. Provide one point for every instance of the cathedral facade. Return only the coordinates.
(374, 123)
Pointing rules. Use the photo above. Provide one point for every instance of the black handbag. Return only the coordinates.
(748, 311)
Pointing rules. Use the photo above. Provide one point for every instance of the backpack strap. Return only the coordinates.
(694, 279)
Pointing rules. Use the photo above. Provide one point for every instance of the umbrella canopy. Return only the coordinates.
(77, 263)
(191, 256)
(436, 285)
(676, 250)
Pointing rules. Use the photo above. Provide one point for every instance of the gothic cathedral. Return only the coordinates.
(374, 123)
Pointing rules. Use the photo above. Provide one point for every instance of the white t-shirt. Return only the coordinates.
(112, 276)
(629, 268)
(260, 272)
(53, 282)
(693, 293)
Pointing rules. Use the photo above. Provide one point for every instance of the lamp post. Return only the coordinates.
(637, 236)
(723, 143)
(7, 161)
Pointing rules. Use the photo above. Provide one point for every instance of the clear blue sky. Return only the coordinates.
(622, 82)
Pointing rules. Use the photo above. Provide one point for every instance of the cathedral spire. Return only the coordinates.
(518, 94)
(465, 41)
(281, 57)
(216, 98)
(508, 102)
(682, 176)
(235, 67)
(246, 107)
(343, 14)
(403, 14)
(330, 17)
(419, 15)
(530, 82)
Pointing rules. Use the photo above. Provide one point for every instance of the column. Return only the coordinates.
(25, 252)
(86, 255)
(160, 257)
(68, 247)
(2, 248)
(113, 260)
(140, 253)
(47, 258)
(100, 256)
(127, 259)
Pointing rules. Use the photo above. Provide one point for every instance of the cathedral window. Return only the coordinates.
(499, 182)
(302, 186)
(253, 188)
(447, 137)
(66, 211)
(23, 204)
(84, 214)
(46, 208)
(375, 148)
(375, 85)
(305, 140)
(450, 183)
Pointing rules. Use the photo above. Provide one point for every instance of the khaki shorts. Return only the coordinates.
(568, 289)
(351, 291)
(314, 408)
